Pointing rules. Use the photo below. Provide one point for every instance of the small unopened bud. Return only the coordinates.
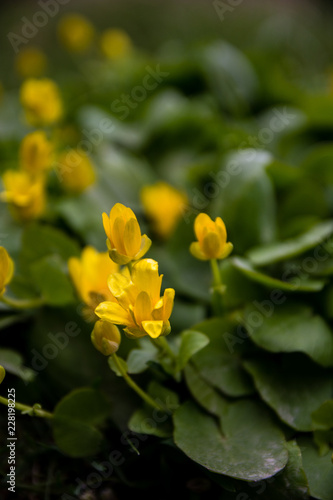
(105, 337)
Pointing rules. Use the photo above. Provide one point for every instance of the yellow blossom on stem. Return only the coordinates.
(115, 44)
(30, 62)
(105, 337)
(125, 241)
(35, 152)
(24, 193)
(212, 239)
(76, 32)
(75, 171)
(6, 269)
(89, 274)
(41, 101)
(139, 307)
(164, 205)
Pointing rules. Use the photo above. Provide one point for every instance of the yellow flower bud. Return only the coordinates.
(35, 152)
(24, 193)
(75, 32)
(138, 304)
(212, 239)
(89, 274)
(30, 62)
(115, 44)
(6, 269)
(76, 172)
(164, 205)
(41, 101)
(125, 241)
(105, 337)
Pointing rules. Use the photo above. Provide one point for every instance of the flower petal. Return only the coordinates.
(201, 222)
(132, 237)
(221, 229)
(168, 299)
(117, 232)
(153, 328)
(227, 249)
(107, 227)
(145, 277)
(196, 251)
(142, 308)
(145, 245)
(211, 245)
(113, 312)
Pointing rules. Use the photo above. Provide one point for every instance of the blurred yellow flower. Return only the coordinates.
(76, 32)
(138, 305)
(30, 62)
(35, 152)
(105, 337)
(212, 239)
(41, 101)
(124, 241)
(6, 269)
(115, 44)
(76, 171)
(164, 205)
(90, 273)
(24, 193)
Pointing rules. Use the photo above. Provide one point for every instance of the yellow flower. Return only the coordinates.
(115, 44)
(76, 172)
(30, 62)
(90, 273)
(105, 337)
(41, 101)
(75, 32)
(24, 193)
(164, 204)
(35, 152)
(138, 305)
(212, 239)
(124, 241)
(6, 269)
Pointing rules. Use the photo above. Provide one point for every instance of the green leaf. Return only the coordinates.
(143, 422)
(75, 419)
(217, 364)
(49, 276)
(295, 284)
(12, 361)
(318, 469)
(294, 388)
(115, 368)
(138, 359)
(166, 397)
(252, 447)
(39, 241)
(244, 189)
(204, 393)
(191, 342)
(290, 328)
(323, 417)
(277, 252)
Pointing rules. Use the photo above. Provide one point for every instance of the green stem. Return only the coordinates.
(32, 410)
(22, 304)
(163, 345)
(129, 266)
(216, 273)
(134, 386)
